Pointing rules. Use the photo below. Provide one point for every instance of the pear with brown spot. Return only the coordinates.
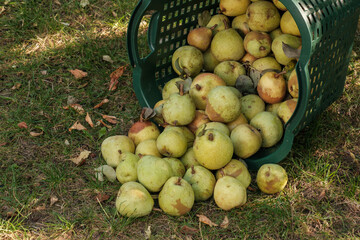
(176, 197)
(202, 182)
(272, 87)
(258, 44)
(236, 169)
(286, 109)
(200, 118)
(263, 16)
(271, 178)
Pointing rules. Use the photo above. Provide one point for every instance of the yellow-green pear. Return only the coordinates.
(277, 47)
(178, 169)
(202, 182)
(263, 16)
(251, 105)
(229, 193)
(246, 139)
(112, 148)
(171, 143)
(288, 24)
(147, 147)
(170, 87)
(229, 71)
(187, 59)
(126, 171)
(188, 159)
(236, 169)
(271, 178)
(228, 45)
(233, 8)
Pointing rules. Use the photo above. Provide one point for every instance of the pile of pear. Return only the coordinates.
(213, 115)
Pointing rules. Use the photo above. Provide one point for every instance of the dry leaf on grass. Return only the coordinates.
(102, 122)
(36, 134)
(110, 119)
(77, 126)
(53, 200)
(81, 158)
(16, 86)
(101, 197)
(101, 103)
(78, 74)
(88, 120)
(188, 230)
(3, 144)
(107, 58)
(206, 220)
(84, 3)
(148, 233)
(225, 222)
(40, 208)
(22, 125)
(114, 77)
(77, 107)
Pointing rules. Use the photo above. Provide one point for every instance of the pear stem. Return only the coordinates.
(181, 90)
(279, 74)
(142, 115)
(213, 27)
(178, 182)
(193, 169)
(211, 137)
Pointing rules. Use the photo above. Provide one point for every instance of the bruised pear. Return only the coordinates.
(240, 23)
(288, 24)
(251, 105)
(228, 45)
(257, 44)
(233, 8)
(200, 118)
(213, 149)
(266, 63)
(271, 178)
(112, 148)
(269, 126)
(188, 60)
(188, 159)
(147, 147)
(133, 200)
(153, 172)
(286, 109)
(293, 84)
(143, 130)
(210, 62)
(222, 105)
(229, 193)
(171, 143)
(200, 38)
(202, 182)
(177, 197)
(201, 86)
(126, 170)
(170, 87)
(229, 71)
(277, 47)
(219, 126)
(218, 23)
(272, 87)
(236, 169)
(246, 139)
(263, 16)
(248, 59)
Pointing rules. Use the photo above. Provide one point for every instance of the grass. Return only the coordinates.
(43, 195)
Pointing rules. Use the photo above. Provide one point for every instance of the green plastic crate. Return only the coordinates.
(327, 29)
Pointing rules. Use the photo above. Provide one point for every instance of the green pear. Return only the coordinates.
(187, 59)
(286, 109)
(112, 148)
(246, 139)
(171, 143)
(229, 193)
(288, 24)
(126, 171)
(200, 38)
(177, 197)
(179, 109)
(219, 126)
(201, 86)
(190, 137)
(213, 149)
(269, 126)
(263, 16)
(222, 105)
(258, 44)
(240, 120)
(147, 147)
(266, 63)
(275, 33)
(178, 169)
(210, 62)
(271, 178)
(240, 23)
(251, 105)
(188, 159)
(277, 47)
(228, 45)
(202, 182)
(133, 200)
(153, 172)
(236, 169)
(229, 71)
(218, 22)
(233, 8)
(170, 87)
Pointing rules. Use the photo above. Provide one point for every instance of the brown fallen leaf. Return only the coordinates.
(102, 122)
(22, 125)
(322, 195)
(101, 197)
(3, 144)
(16, 86)
(81, 158)
(77, 126)
(206, 220)
(225, 222)
(188, 230)
(88, 120)
(110, 119)
(53, 200)
(36, 134)
(77, 107)
(83, 85)
(40, 208)
(78, 74)
(157, 209)
(114, 77)
(101, 103)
